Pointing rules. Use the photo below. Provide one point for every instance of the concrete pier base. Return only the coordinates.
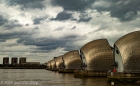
(79, 74)
(82, 73)
(118, 79)
(66, 70)
(123, 78)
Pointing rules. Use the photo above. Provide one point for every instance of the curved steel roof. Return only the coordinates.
(72, 60)
(98, 55)
(59, 62)
(48, 64)
(53, 64)
(129, 48)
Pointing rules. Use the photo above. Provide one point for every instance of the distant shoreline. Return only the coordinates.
(20, 68)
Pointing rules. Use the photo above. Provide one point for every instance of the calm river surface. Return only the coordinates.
(42, 77)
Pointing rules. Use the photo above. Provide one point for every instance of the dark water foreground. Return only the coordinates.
(42, 77)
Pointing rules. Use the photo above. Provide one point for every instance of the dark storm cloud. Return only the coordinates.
(8, 24)
(68, 16)
(62, 16)
(12, 24)
(12, 35)
(85, 19)
(48, 44)
(38, 20)
(27, 3)
(74, 5)
(3, 20)
(125, 10)
(2, 40)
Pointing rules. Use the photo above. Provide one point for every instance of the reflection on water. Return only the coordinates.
(41, 77)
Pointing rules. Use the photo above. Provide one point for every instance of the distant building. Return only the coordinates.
(14, 60)
(5, 60)
(22, 60)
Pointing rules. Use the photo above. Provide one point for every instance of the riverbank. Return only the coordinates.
(20, 68)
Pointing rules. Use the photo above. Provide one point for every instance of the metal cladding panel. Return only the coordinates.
(49, 64)
(53, 64)
(72, 60)
(98, 55)
(59, 62)
(129, 48)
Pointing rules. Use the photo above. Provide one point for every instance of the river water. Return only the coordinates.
(42, 77)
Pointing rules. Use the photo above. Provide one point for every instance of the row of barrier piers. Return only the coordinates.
(111, 77)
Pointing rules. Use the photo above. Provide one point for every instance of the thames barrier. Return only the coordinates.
(71, 62)
(119, 64)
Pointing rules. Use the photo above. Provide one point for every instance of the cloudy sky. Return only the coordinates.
(43, 29)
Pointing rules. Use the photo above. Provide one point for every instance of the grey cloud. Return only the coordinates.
(3, 20)
(10, 26)
(49, 44)
(59, 29)
(63, 16)
(73, 28)
(2, 40)
(24, 4)
(74, 19)
(38, 20)
(26, 24)
(84, 17)
(12, 35)
(22, 14)
(125, 10)
(74, 5)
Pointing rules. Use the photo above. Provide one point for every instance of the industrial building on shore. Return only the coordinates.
(22, 60)
(6, 61)
(21, 63)
(14, 61)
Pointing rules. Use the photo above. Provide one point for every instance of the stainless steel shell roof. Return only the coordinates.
(53, 64)
(72, 60)
(98, 55)
(59, 62)
(49, 64)
(129, 48)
